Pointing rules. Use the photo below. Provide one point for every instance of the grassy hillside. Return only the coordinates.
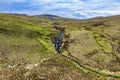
(18, 38)
(27, 49)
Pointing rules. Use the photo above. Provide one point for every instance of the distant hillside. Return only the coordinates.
(47, 16)
(90, 48)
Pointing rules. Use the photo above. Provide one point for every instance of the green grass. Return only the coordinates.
(27, 40)
(47, 45)
(103, 42)
(19, 39)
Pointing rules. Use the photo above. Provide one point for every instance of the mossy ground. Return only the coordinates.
(26, 41)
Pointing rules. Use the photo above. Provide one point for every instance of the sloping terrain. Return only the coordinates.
(27, 49)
